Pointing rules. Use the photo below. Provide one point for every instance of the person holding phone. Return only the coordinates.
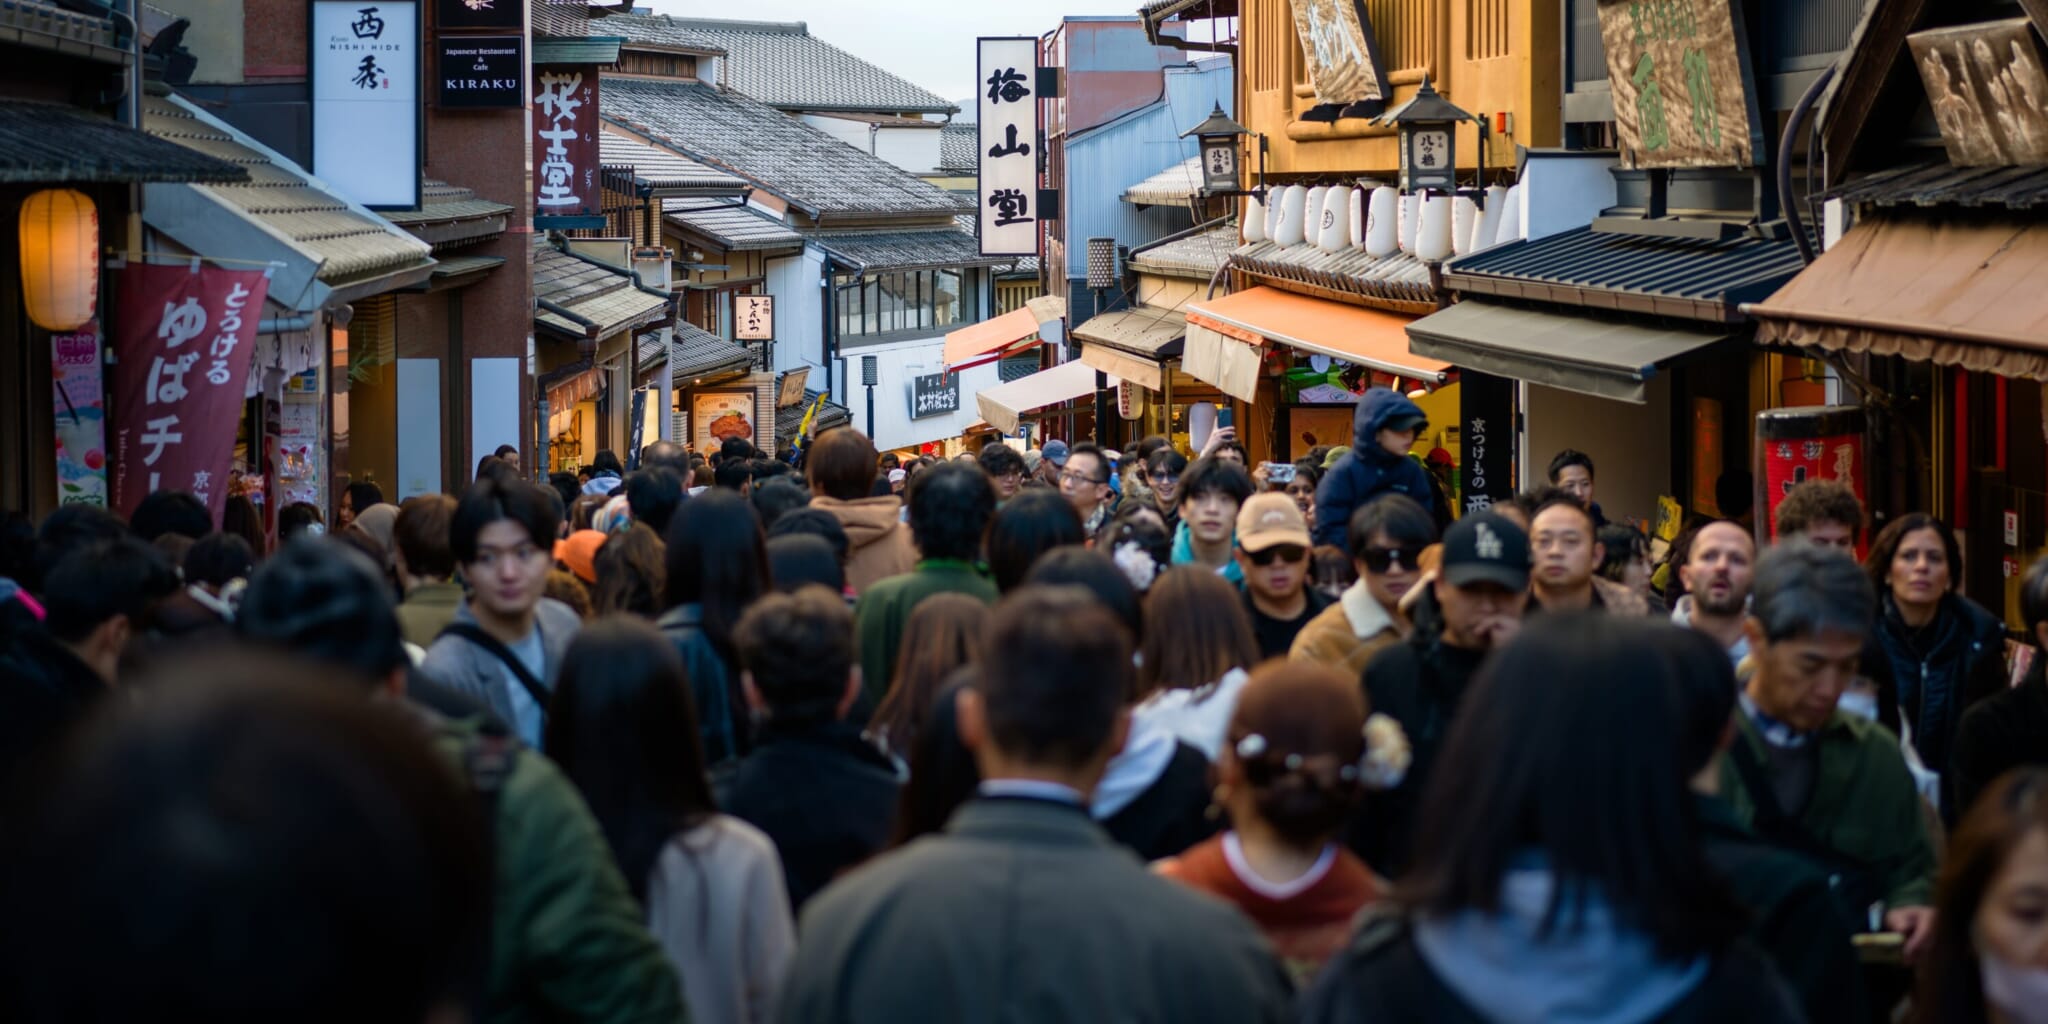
(1382, 431)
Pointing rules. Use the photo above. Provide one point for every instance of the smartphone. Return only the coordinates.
(1226, 418)
(1280, 473)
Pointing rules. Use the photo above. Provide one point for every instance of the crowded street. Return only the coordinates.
(1322, 511)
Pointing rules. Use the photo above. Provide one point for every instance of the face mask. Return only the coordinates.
(2021, 992)
(1862, 705)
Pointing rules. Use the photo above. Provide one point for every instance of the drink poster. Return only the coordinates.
(81, 417)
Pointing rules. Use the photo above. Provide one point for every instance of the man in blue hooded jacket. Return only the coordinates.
(1382, 430)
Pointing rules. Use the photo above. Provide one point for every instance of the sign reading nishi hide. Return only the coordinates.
(565, 147)
(185, 339)
(366, 100)
(1680, 75)
(1007, 70)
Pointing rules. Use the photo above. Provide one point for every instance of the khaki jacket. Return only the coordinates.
(878, 541)
(1347, 634)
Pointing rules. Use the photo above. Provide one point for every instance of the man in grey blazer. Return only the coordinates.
(1023, 909)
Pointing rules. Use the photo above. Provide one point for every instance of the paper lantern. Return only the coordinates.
(1433, 237)
(1489, 217)
(1464, 216)
(1130, 400)
(1334, 234)
(1411, 208)
(60, 258)
(1510, 217)
(1293, 212)
(1254, 220)
(1312, 224)
(1383, 224)
(1276, 199)
(1357, 235)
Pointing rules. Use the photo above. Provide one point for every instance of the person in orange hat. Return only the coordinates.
(578, 554)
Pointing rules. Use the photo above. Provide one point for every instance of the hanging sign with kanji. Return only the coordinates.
(365, 74)
(753, 317)
(183, 340)
(1007, 70)
(1683, 90)
(565, 145)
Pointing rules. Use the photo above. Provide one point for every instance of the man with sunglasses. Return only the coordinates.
(1387, 538)
(1272, 552)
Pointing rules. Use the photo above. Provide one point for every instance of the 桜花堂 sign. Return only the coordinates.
(565, 146)
(1683, 90)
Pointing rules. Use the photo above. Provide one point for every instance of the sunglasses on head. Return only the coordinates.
(1280, 552)
(1382, 559)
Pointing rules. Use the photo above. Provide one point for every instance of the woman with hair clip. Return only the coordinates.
(1989, 961)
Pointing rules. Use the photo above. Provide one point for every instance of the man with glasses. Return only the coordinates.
(1084, 480)
(1005, 468)
(1387, 538)
(1163, 470)
(1568, 550)
(1272, 552)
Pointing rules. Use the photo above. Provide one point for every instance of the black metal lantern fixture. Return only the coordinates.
(1219, 135)
(1428, 125)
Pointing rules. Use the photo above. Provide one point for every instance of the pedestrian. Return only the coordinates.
(297, 518)
(1211, 492)
(1140, 543)
(841, 468)
(943, 636)
(1716, 574)
(1084, 481)
(1815, 779)
(1387, 536)
(625, 732)
(632, 574)
(1564, 540)
(735, 475)
(1053, 459)
(177, 513)
(1944, 650)
(216, 568)
(1571, 471)
(799, 560)
(1626, 561)
(934, 930)
(1192, 667)
(1301, 489)
(652, 493)
(356, 498)
(507, 640)
(577, 554)
(1471, 609)
(715, 566)
(813, 783)
(1164, 469)
(1383, 429)
(950, 508)
(1096, 573)
(425, 564)
(777, 497)
(1036, 521)
(605, 473)
(1826, 513)
(1272, 554)
(2009, 729)
(1558, 872)
(1989, 962)
(1005, 469)
(240, 517)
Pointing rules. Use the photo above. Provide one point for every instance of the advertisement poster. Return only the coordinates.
(717, 415)
(81, 418)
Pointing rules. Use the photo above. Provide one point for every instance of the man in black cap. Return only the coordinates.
(1473, 606)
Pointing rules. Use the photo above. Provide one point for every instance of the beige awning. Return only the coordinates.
(1003, 405)
(992, 338)
(1230, 363)
(1116, 363)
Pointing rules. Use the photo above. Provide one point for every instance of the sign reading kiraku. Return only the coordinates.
(1680, 73)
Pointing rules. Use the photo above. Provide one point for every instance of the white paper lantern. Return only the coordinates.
(1383, 223)
(1312, 224)
(1489, 217)
(1335, 235)
(1293, 215)
(1358, 196)
(1411, 208)
(1433, 237)
(1464, 217)
(1254, 220)
(1276, 199)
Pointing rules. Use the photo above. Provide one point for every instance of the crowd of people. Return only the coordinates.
(1059, 734)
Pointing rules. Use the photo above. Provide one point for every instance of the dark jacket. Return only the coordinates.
(1420, 684)
(1172, 814)
(1792, 917)
(1941, 669)
(822, 792)
(45, 690)
(2002, 732)
(712, 683)
(1369, 471)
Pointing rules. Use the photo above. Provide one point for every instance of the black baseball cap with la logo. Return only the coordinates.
(1486, 548)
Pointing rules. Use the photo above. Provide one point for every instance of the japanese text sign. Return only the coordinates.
(753, 317)
(479, 14)
(1680, 75)
(565, 145)
(1486, 415)
(1804, 443)
(366, 100)
(934, 394)
(184, 338)
(1007, 73)
(1336, 38)
(479, 71)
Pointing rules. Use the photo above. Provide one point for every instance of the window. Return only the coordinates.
(902, 301)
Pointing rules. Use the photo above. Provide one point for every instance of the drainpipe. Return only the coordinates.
(284, 324)
(827, 301)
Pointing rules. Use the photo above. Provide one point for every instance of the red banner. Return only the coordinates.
(565, 182)
(184, 337)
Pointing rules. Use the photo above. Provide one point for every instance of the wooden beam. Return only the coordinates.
(1870, 68)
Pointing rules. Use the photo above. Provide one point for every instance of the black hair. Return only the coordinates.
(817, 522)
(950, 506)
(1214, 476)
(218, 558)
(1029, 525)
(943, 774)
(1552, 497)
(489, 501)
(565, 486)
(797, 560)
(1886, 547)
(1802, 590)
(770, 469)
(607, 461)
(1623, 544)
(323, 601)
(732, 474)
(798, 649)
(162, 512)
(1096, 450)
(92, 585)
(653, 495)
(1058, 705)
(999, 459)
(1548, 756)
(363, 494)
(1138, 524)
(68, 529)
(1704, 683)
(1735, 493)
(1094, 572)
(1168, 459)
(778, 497)
(491, 467)
(1568, 458)
(1396, 515)
(299, 517)
(735, 448)
(239, 516)
(623, 729)
(717, 558)
(504, 450)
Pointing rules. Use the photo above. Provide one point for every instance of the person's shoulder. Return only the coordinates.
(554, 615)
(1742, 984)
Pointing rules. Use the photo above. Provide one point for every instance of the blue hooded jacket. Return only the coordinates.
(1370, 470)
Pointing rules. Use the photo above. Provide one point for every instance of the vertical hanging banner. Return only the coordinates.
(365, 66)
(81, 421)
(1486, 415)
(565, 179)
(1007, 68)
(184, 339)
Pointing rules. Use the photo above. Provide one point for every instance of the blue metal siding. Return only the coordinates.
(1102, 163)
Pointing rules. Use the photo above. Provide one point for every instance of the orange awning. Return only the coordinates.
(1367, 337)
(1014, 329)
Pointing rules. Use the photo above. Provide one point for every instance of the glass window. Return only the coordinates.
(946, 300)
(871, 307)
(849, 307)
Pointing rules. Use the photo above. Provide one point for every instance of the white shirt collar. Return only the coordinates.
(1033, 789)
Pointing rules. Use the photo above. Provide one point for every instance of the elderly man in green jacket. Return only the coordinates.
(1816, 779)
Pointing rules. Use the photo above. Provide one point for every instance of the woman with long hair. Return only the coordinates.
(630, 573)
(1034, 522)
(623, 729)
(1989, 960)
(716, 565)
(1558, 869)
(943, 634)
(1191, 669)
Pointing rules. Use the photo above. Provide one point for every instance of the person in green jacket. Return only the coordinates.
(1810, 776)
(567, 942)
(950, 507)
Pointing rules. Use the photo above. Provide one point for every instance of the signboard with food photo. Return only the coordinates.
(717, 415)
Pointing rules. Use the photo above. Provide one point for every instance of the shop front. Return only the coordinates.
(592, 312)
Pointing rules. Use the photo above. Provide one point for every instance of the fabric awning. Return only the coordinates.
(997, 337)
(1955, 291)
(1003, 405)
(1223, 356)
(1367, 337)
(1604, 358)
(1145, 331)
(1118, 363)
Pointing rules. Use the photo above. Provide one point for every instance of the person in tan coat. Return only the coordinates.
(841, 468)
(1387, 537)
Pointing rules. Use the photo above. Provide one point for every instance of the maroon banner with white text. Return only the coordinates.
(184, 337)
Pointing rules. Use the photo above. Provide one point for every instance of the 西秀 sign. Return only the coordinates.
(365, 69)
(479, 71)
(1007, 70)
(1680, 75)
(934, 394)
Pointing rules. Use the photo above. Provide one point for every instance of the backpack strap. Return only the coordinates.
(487, 761)
(475, 634)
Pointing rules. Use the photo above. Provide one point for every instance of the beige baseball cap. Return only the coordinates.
(1270, 520)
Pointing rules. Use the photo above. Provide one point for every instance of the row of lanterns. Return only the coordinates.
(1381, 221)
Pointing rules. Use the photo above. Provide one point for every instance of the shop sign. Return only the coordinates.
(794, 383)
(753, 317)
(934, 394)
(1810, 443)
(184, 340)
(1986, 87)
(365, 69)
(479, 14)
(479, 72)
(1343, 55)
(717, 415)
(1680, 75)
(1007, 69)
(1486, 422)
(565, 182)
(81, 419)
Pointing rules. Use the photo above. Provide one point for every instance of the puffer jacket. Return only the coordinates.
(1369, 470)
(1940, 670)
(878, 541)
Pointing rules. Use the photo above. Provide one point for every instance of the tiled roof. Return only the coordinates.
(783, 65)
(660, 168)
(1198, 255)
(1695, 278)
(456, 266)
(589, 290)
(1018, 367)
(1399, 282)
(593, 50)
(451, 216)
(279, 195)
(1170, 187)
(906, 250)
(734, 228)
(803, 165)
(957, 144)
(654, 30)
(1026, 266)
(49, 142)
(49, 26)
(789, 419)
(701, 354)
(1940, 184)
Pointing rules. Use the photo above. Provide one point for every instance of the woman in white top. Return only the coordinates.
(1190, 672)
(622, 727)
